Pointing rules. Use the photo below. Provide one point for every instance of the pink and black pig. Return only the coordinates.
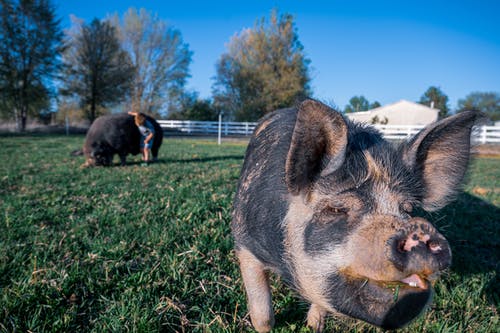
(327, 204)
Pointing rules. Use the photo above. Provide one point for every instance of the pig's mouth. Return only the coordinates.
(387, 304)
(413, 282)
(416, 281)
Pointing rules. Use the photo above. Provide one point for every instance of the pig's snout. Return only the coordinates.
(420, 249)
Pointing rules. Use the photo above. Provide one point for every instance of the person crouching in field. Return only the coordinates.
(147, 134)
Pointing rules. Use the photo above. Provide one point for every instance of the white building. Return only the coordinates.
(399, 113)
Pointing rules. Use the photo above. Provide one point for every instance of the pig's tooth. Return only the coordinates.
(414, 281)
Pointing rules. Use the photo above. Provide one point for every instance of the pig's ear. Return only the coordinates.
(440, 154)
(318, 145)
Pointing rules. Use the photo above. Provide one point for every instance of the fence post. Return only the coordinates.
(67, 125)
(483, 134)
(219, 132)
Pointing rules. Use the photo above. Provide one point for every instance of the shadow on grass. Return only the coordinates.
(294, 313)
(172, 160)
(200, 159)
(472, 227)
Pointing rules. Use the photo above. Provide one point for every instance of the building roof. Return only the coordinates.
(400, 113)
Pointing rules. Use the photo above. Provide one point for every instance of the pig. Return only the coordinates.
(116, 134)
(329, 205)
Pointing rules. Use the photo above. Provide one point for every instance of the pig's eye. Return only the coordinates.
(407, 207)
(329, 214)
(329, 211)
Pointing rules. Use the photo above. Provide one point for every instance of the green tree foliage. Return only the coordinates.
(487, 102)
(356, 104)
(97, 71)
(435, 96)
(30, 44)
(195, 108)
(377, 120)
(360, 103)
(160, 57)
(264, 69)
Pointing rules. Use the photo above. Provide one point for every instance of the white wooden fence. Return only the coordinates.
(480, 134)
(207, 127)
(486, 134)
(398, 132)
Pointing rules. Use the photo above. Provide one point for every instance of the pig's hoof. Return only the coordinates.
(263, 326)
(316, 318)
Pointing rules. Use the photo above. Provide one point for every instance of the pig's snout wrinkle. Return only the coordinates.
(422, 250)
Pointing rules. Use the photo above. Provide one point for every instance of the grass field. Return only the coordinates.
(148, 249)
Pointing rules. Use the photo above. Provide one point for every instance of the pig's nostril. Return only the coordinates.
(434, 246)
(413, 241)
(401, 245)
(419, 252)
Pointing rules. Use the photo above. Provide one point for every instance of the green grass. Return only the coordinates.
(148, 249)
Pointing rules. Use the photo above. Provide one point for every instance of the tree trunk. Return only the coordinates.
(24, 118)
(92, 111)
(21, 116)
(18, 119)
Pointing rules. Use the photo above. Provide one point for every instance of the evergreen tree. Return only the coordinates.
(436, 98)
(30, 44)
(356, 104)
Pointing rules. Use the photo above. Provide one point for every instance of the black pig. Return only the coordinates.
(326, 203)
(116, 134)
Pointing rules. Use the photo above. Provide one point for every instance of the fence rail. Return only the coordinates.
(486, 134)
(207, 127)
(480, 134)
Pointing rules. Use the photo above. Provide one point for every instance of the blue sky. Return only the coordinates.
(383, 50)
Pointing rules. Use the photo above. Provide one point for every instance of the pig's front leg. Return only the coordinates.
(123, 160)
(258, 292)
(316, 318)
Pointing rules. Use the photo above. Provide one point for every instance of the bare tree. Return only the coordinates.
(161, 60)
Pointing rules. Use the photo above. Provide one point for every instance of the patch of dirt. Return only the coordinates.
(482, 191)
(487, 150)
